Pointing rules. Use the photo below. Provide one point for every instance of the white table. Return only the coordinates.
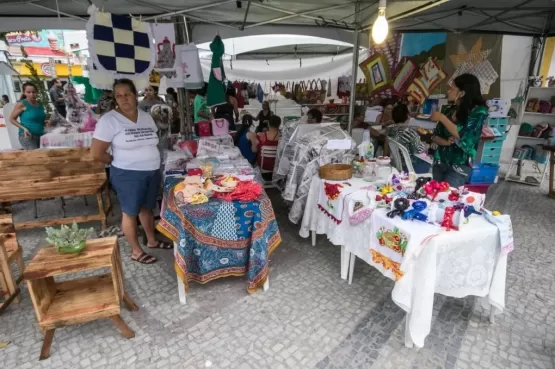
(455, 263)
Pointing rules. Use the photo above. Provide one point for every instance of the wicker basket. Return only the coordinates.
(336, 172)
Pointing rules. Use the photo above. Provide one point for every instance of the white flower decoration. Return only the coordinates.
(182, 243)
(196, 252)
(224, 261)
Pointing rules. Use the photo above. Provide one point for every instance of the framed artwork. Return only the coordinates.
(376, 71)
(17, 86)
(404, 74)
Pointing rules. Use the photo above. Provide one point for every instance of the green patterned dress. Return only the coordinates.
(463, 151)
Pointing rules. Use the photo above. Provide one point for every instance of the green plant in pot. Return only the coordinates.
(68, 240)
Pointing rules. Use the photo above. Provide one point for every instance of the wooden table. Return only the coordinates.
(81, 300)
(551, 149)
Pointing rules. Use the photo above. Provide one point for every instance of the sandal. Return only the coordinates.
(144, 258)
(161, 245)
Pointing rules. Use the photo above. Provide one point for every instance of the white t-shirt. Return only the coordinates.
(133, 144)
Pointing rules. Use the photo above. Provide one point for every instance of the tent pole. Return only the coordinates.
(182, 37)
(354, 71)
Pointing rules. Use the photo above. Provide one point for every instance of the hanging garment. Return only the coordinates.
(216, 82)
(259, 93)
(164, 38)
(189, 72)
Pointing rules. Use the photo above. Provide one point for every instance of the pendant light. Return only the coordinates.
(380, 27)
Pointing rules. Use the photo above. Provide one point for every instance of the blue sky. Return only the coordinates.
(415, 43)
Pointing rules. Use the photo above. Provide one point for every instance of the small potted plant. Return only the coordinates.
(68, 240)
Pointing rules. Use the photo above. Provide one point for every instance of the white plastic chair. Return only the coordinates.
(357, 134)
(399, 153)
(267, 152)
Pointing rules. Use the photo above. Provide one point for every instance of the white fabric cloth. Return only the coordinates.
(58, 140)
(455, 263)
(134, 145)
(188, 69)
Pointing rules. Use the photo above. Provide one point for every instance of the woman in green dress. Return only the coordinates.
(458, 131)
(32, 117)
(201, 110)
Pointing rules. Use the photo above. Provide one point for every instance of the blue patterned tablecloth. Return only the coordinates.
(220, 238)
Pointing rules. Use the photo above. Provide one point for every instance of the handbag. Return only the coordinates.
(203, 129)
(220, 127)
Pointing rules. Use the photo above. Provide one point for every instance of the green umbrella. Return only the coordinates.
(216, 85)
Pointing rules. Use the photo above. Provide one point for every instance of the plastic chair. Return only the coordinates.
(399, 153)
(267, 152)
(357, 134)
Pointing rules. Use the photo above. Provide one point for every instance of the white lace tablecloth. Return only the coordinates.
(455, 263)
(60, 140)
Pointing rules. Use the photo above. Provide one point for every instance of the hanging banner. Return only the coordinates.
(164, 40)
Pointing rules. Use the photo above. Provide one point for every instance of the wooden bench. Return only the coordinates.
(10, 252)
(47, 173)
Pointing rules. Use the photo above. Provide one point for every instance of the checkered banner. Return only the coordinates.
(119, 45)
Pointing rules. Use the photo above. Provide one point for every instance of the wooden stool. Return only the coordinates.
(58, 304)
(10, 251)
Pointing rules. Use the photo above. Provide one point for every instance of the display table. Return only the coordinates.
(82, 300)
(219, 239)
(456, 263)
(551, 150)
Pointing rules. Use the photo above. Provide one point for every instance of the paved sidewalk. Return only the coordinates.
(309, 318)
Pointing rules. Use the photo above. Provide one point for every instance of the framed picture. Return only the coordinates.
(404, 74)
(17, 86)
(376, 71)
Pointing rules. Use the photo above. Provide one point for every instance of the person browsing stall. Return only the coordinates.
(57, 96)
(458, 132)
(263, 117)
(268, 138)
(408, 137)
(314, 116)
(104, 103)
(151, 98)
(31, 116)
(246, 140)
(135, 165)
(201, 110)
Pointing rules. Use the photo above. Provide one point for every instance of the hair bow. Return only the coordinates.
(400, 206)
(416, 212)
(433, 188)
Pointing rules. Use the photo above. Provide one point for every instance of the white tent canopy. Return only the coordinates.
(523, 17)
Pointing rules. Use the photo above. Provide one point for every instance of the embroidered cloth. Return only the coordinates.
(219, 238)
(119, 45)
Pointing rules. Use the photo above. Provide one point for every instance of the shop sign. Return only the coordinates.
(46, 69)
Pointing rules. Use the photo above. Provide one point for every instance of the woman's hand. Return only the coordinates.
(26, 132)
(47, 123)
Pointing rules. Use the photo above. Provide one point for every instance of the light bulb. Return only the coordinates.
(380, 27)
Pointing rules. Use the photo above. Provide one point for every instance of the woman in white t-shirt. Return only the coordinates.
(135, 165)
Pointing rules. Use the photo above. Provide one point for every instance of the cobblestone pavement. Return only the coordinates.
(309, 318)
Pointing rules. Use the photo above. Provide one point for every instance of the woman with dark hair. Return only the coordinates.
(135, 165)
(5, 100)
(386, 117)
(151, 98)
(246, 140)
(458, 131)
(269, 138)
(31, 116)
(263, 117)
(229, 109)
(201, 110)
(408, 137)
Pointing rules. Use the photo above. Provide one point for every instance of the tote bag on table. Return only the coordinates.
(220, 127)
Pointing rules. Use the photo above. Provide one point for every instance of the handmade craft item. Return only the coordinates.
(216, 87)
(164, 36)
(428, 78)
(416, 212)
(404, 75)
(447, 222)
(120, 46)
(376, 71)
(433, 188)
(400, 206)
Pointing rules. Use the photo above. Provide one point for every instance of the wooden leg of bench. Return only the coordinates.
(85, 199)
(36, 212)
(129, 303)
(125, 330)
(63, 206)
(101, 209)
(45, 351)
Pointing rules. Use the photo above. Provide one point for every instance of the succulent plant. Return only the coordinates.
(68, 239)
